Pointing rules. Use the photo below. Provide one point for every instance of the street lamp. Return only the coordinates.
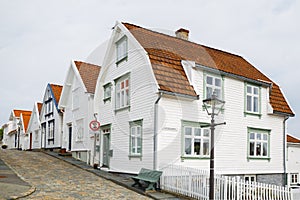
(216, 105)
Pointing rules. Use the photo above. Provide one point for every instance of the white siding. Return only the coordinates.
(142, 97)
(293, 160)
(231, 139)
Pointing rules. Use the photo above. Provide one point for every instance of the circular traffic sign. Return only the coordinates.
(94, 125)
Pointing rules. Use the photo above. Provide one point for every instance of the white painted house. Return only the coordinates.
(51, 118)
(34, 127)
(23, 125)
(149, 102)
(77, 104)
(11, 130)
(293, 161)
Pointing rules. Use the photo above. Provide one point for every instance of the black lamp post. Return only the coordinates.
(216, 106)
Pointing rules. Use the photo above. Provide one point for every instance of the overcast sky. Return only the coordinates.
(39, 38)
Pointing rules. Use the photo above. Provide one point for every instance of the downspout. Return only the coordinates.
(155, 132)
(284, 151)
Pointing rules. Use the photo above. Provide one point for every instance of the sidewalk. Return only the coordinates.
(120, 179)
(11, 185)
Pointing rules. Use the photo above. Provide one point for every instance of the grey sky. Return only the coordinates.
(39, 38)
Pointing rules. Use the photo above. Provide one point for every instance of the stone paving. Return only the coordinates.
(55, 179)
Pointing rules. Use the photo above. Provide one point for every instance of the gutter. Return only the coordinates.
(284, 151)
(155, 132)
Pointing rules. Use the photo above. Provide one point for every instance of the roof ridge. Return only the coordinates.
(180, 39)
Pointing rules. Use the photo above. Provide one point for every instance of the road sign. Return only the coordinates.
(94, 125)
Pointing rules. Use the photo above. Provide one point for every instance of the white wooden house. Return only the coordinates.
(77, 104)
(51, 118)
(23, 125)
(293, 161)
(34, 127)
(11, 130)
(149, 102)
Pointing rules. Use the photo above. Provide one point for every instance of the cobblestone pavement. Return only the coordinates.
(56, 179)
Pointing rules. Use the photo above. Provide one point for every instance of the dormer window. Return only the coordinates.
(252, 99)
(121, 46)
(213, 83)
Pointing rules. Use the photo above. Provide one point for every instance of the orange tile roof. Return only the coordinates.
(89, 74)
(39, 105)
(56, 89)
(26, 118)
(292, 139)
(166, 52)
(17, 113)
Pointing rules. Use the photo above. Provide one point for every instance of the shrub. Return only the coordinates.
(4, 146)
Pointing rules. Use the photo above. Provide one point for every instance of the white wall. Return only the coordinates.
(293, 160)
(231, 139)
(142, 97)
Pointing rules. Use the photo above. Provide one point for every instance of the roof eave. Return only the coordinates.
(283, 113)
(179, 95)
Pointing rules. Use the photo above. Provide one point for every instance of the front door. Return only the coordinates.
(70, 138)
(30, 141)
(106, 147)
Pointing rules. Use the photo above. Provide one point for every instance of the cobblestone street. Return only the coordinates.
(56, 179)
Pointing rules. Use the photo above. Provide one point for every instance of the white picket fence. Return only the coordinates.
(195, 183)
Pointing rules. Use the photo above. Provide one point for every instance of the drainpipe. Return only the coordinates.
(284, 151)
(155, 132)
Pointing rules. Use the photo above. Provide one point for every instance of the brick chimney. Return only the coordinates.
(182, 34)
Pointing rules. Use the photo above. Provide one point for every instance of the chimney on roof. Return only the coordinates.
(182, 34)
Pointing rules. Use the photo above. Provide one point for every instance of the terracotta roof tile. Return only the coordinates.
(89, 74)
(166, 52)
(56, 89)
(39, 105)
(292, 139)
(17, 113)
(26, 118)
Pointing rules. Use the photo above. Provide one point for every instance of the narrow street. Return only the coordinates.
(56, 179)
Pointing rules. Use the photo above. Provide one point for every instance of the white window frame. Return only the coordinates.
(122, 93)
(203, 139)
(258, 139)
(294, 178)
(121, 49)
(213, 86)
(136, 138)
(107, 89)
(51, 130)
(252, 99)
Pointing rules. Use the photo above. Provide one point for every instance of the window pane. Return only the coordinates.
(208, 92)
(206, 132)
(255, 104)
(187, 146)
(249, 103)
(209, 80)
(258, 136)
(251, 149)
(265, 149)
(197, 132)
(218, 82)
(218, 93)
(252, 136)
(249, 89)
(205, 147)
(122, 99)
(127, 97)
(265, 136)
(188, 131)
(122, 84)
(126, 83)
(133, 132)
(255, 90)
(258, 149)
(118, 100)
(197, 143)
(118, 86)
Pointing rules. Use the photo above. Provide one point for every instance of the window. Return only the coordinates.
(122, 93)
(50, 131)
(252, 99)
(136, 138)
(294, 178)
(212, 84)
(107, 91)
(79, 130)
(258, 143)
(196, 140)
(121, 49)
(250, 178)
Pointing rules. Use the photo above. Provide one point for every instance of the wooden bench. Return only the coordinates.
(147, 175)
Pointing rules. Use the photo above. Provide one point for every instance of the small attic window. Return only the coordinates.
(122, 49)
